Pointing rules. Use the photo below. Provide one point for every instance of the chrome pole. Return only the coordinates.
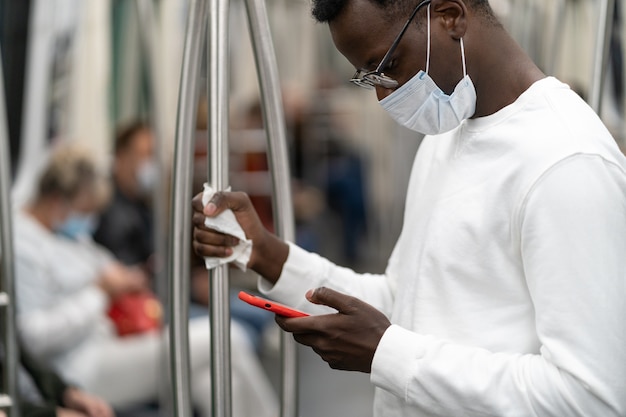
(274, 121)
(7, 291)
(180, 225)
(601, 53)
(217, 93)
(148, 35)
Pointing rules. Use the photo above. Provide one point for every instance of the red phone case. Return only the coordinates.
(280, 309)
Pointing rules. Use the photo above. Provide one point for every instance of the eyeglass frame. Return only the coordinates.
(371, 79)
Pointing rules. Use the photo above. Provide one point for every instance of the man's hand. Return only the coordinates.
(84, 404)
(346, 340)
(268, 252)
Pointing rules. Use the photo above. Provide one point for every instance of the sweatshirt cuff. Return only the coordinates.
(300, 273)
(395, 359)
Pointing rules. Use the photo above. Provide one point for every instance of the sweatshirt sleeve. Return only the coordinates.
(304, 271)
(51, 329)
(572, 230)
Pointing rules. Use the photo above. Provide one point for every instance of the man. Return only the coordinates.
(504, 293)
(126, 225)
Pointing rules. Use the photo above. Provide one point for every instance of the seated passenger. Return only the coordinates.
(42, 393)
(126, 224)
(65, 284)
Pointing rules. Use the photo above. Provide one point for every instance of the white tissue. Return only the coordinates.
(226, 223)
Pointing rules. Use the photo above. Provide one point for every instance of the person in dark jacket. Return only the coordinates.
(125, 226)
(42, 393)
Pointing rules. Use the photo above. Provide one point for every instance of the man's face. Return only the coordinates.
(130, 160)
(363, 35)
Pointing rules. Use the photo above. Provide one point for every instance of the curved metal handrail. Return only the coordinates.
(7, 296)
(147, 34)
(180, 231)
(274, 122)
(217, 58)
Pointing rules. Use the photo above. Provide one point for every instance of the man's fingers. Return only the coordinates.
(213, 244)
(221, 200)
(212, 251)
(218, 203)
(214, 238)
(196, 203)
(198, 218)
(305, 325)
(234, 200)
(331, 298)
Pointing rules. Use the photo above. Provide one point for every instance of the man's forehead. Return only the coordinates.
(361, 32)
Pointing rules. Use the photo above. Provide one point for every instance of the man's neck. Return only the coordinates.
(503, 72)
(123, 188)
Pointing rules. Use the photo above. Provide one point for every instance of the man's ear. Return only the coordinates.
(452, 15)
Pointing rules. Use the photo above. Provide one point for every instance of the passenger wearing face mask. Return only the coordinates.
(65, 284)
(504, 293)
(126, 224)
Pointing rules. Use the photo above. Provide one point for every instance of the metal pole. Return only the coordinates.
(217, 80)
(7, 294)
(180, 226)
(274, 121)
(148, 35)
(601, 53)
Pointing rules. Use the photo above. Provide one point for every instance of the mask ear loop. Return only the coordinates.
(428, 42)
(463, 58)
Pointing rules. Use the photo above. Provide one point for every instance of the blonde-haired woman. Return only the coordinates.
(65, 284)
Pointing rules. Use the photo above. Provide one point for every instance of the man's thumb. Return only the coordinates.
(326, 296)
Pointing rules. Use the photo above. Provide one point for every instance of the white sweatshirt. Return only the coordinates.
(507, 285)
(60, 310)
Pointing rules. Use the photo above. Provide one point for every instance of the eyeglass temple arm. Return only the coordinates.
(396, 41)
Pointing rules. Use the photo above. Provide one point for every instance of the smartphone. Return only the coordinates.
(274, 307)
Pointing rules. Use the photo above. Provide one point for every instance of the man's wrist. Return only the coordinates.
(269, 257)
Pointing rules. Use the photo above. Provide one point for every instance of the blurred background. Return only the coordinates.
(82, 70)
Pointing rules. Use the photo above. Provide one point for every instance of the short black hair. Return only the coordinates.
(125, 135)
(325, 11)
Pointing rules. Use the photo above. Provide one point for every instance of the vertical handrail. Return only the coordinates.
(7, 296)
(601, 53)
(274, 121)
(180, 226)
(217, 93)
(147, 35)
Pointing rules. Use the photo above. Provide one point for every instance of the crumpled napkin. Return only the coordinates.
(226, 223)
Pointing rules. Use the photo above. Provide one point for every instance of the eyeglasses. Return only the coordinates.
(371, 79)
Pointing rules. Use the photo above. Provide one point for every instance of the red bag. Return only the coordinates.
(136, 313)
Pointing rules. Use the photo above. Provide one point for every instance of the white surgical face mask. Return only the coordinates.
(78, 225)
(422, 106)
(147, 176)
